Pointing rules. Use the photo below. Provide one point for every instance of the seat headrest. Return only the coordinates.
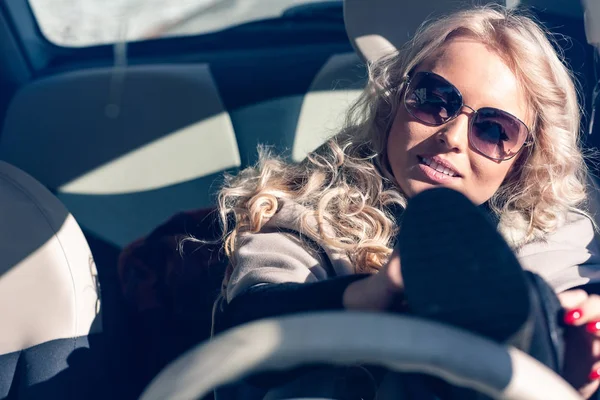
(48, 280)
(592, 22)
(144, 155)
(379, 27)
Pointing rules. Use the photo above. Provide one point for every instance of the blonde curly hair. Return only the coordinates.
(347, 184)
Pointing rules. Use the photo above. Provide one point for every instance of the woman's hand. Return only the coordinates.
(377, 292)
(582, 340)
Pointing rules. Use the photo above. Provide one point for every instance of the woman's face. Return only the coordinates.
(484, 81)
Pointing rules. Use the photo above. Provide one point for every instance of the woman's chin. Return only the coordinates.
(415, 187)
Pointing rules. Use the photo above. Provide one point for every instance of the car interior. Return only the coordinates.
(100, 145)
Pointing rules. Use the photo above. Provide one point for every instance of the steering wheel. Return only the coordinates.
(399, 343)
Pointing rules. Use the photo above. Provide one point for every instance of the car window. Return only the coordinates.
(81, 23)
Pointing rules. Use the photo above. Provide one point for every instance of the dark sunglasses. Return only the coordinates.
(493, 133)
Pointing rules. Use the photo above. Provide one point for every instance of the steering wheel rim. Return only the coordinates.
(400, 343)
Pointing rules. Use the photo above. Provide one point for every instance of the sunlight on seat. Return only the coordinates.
(322, 116)
(198, 150)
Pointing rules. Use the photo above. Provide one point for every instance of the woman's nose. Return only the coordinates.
(455, 133)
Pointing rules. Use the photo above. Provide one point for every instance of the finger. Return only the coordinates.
(588, 388)
(589, 311)
(594, 345)
(394, 271)
(572, 298)
(593, 328)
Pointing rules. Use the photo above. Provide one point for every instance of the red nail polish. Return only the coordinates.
(595, 374)
(593, 327)
(572, 316)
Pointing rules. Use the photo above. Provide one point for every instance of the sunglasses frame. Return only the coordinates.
(407, 81)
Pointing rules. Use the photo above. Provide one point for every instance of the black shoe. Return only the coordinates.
(457, 269)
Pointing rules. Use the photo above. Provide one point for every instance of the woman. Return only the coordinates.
(478, 102)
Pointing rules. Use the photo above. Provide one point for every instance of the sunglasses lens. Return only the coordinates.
(497, 134)
(431, 99)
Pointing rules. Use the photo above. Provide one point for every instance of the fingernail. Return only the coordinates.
(593, 327)
(572, 316)
(595, 374)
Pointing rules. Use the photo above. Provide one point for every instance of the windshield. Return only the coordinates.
(79, 23)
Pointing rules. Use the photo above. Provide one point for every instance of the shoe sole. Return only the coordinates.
(457, 268)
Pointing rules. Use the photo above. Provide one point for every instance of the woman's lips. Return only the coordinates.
(439, 164)
(437, 170)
